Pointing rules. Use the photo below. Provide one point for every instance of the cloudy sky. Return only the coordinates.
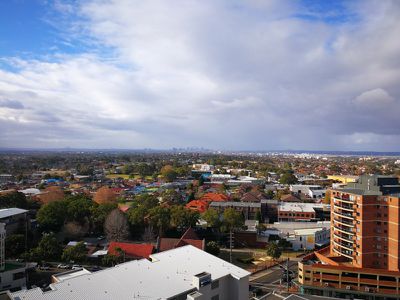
(256, 75)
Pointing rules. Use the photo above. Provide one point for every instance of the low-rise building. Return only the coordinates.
(249, 210)
(181, 273)
(291, 211)
(14, 219)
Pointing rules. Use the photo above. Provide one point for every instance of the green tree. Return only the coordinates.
(75, 253)
(232, 219)
(48, 248)
(212, 217)
(270, 194)
(274, 251)
(79, 208)
(160, 218)
(14, 199)
(168, 173)
(51, 216)
(182, 217)
(213, 248)
(287, 178)
(15, 245)
(110, 260)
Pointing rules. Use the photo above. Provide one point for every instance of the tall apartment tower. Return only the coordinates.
(365, 223)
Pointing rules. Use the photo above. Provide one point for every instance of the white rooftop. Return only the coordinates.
(30, 191)
(308, 231)
(168, 274)
(299, 207)
(8, 212)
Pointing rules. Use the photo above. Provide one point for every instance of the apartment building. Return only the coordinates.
(363, 257)
(179, 274)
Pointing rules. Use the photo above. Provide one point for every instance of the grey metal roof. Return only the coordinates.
(8, 212)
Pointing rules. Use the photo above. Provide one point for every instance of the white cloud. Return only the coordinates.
(244, 75)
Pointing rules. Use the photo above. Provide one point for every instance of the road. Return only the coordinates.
(269, 280)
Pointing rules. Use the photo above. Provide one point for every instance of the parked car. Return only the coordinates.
(62, 266)
(76, 267)
(44, 268)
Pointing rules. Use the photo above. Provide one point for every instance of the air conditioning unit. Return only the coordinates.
(366, 289)
(326, 284)
(348, 287)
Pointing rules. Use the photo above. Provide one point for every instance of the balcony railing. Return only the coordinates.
(343, 214)
(343, 237)
(344, 222)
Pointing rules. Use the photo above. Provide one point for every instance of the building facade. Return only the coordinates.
(363, 257)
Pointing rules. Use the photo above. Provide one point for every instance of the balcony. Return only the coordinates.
(343, 229)
(343, 222)
(343, 214)
(347, 208)
(346, 246)
(344, 238)
(344, 200)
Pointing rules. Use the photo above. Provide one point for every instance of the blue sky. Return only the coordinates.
(217, 74)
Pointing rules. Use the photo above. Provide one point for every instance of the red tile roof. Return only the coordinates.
(131, 250)
(199, 205)
(214, 197)
(188, 238)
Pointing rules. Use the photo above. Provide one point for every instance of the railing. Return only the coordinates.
(343, 214)
(343, 238)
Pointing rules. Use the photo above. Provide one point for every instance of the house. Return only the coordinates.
(182, 273)
(188, 238)
(199, 205)
(130, 250)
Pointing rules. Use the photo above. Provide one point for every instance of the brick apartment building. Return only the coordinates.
(363, 257)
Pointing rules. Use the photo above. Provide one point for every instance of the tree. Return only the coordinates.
(99, 213)
(270, 194)
(182, 217)
(79, 208)
(14, 199)
(160, 218)
(116, 226)
(51, 216)
(168, 173)
(288, 178)
(213, 248)
(232, 219)
(211, 216)
(110, 260)
(274, 251)
(48, 248)
(75, 253)
(171, 196)
(15, 245)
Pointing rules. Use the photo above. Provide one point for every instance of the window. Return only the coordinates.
(214, 284)
(18, 275)
(216, 297)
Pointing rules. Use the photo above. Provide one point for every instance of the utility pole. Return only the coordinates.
(230, 245)
(287, 273)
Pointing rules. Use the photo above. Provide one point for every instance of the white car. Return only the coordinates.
(76, 267)
(62, 266)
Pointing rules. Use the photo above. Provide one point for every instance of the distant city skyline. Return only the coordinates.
(255, 75)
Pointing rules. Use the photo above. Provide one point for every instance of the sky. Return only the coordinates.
(223, 75)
